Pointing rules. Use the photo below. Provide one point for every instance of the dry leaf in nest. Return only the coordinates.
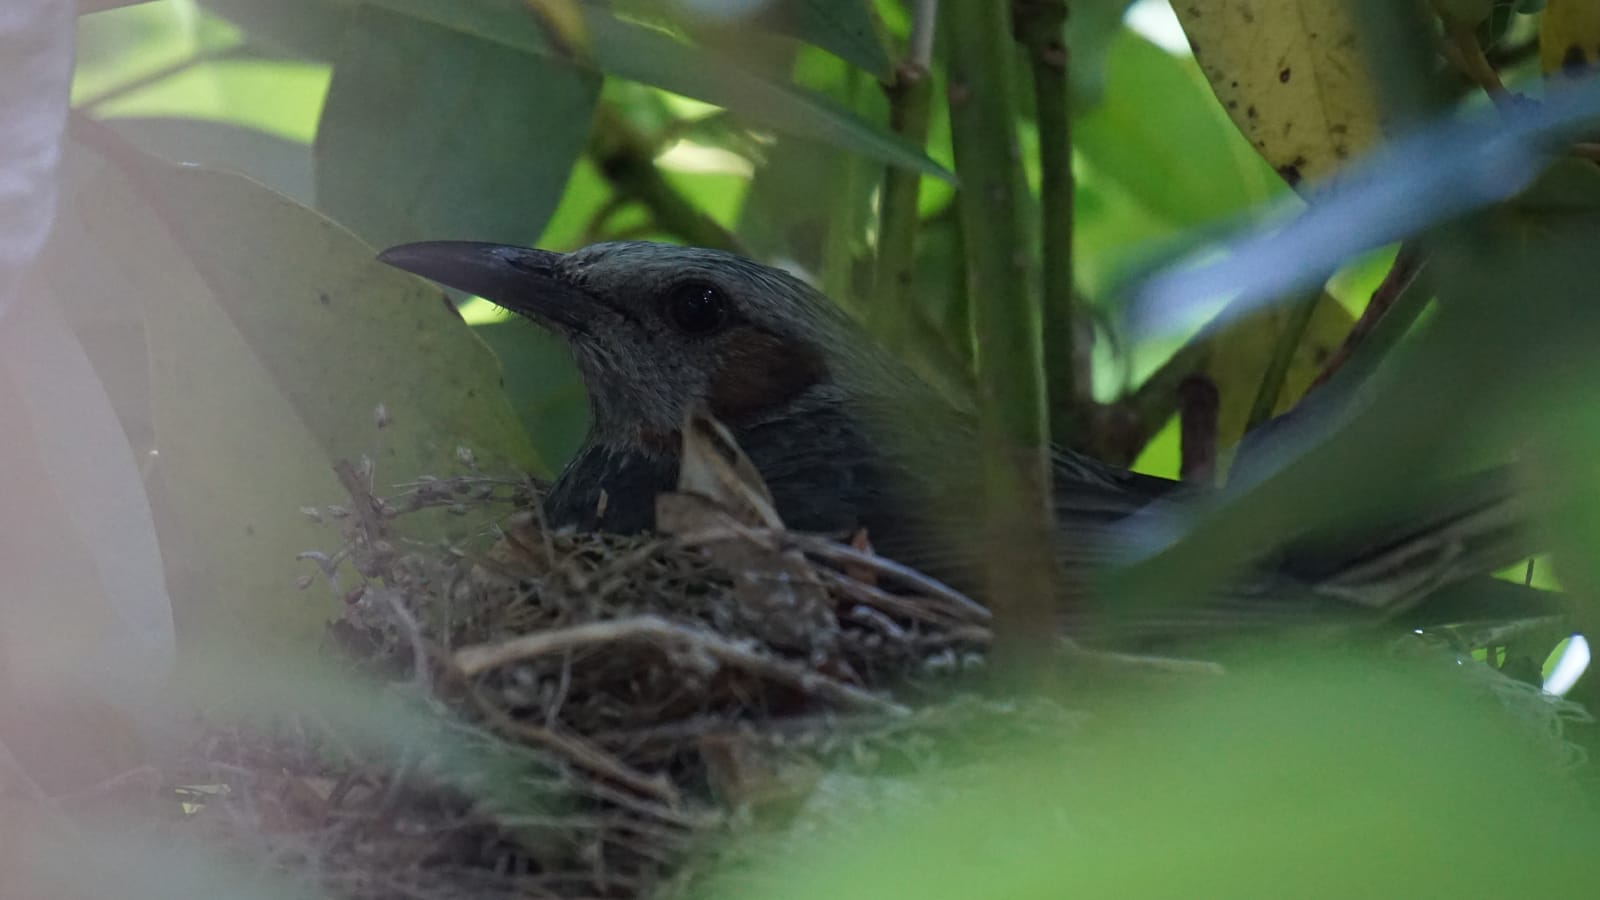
(723, 504)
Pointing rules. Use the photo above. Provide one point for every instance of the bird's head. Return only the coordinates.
(656, 329)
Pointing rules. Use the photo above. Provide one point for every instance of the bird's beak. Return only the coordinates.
(522, 280)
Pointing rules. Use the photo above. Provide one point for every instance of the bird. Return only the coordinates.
(847, 438)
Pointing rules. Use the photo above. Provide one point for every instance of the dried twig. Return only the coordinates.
(478, 659)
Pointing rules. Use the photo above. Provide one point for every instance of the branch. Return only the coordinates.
(627, 160)
(1198, 404)
(1040, 27)
(1408, 264)
(910, 101)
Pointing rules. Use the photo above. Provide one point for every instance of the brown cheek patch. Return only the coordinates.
(761, 372)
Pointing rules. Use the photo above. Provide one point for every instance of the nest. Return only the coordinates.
(651, 699)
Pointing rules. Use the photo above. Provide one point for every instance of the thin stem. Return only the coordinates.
(924, 22)
(1408, 262)
(1198, 406)
(910, 102)
(1020, 574)
(1401, 299)
(1294, 329)
(1041, 27)
(1463, 50)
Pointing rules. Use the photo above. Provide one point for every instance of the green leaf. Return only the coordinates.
(429, 133)
(844, 28)
(314, 28)
(643, 54)
(283, 165)
(273, 337)
(1151, 96)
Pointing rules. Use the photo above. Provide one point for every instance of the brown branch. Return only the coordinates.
(1198, 404)
(1407, 263)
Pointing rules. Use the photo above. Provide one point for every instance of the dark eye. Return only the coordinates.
(696, 308)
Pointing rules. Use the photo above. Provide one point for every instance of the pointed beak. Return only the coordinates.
(522, 280)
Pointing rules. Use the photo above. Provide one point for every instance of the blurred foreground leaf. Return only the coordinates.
(1309, 776)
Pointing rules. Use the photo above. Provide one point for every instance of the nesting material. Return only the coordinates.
(663, 698)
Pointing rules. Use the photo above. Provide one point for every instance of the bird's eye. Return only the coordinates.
(696, 308)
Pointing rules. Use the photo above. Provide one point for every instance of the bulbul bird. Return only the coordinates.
(845, 436)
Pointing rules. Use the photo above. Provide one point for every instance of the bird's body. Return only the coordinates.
(844, 436)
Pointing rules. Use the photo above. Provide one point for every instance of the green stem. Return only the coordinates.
(1041, 26)
(910, 101)
(844, 213)
(1294, 328)
(1020, 574)
(624, 157)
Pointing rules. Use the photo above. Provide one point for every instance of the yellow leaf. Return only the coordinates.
(1291, 75)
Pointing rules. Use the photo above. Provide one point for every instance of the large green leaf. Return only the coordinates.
(643, 54)
(616, 47)
(274, 336)
(429, 132)
(1161, 136)
(283, 165)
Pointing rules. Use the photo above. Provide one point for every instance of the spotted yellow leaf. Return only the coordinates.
(1292, 77)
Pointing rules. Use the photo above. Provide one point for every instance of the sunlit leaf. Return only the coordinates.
(1292, 77)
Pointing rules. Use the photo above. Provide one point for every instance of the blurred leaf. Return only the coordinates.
(431, 133)
(86, 626)
(1398, 191)
(279, 97)
(273, 337)
(312, 28)
(283, 165)
(1303, 775)
(1569, 36)
(1514, 323)
(90, 6)
(1292, 76)
(37, 39)
(1092, 26)
(1151, 95)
